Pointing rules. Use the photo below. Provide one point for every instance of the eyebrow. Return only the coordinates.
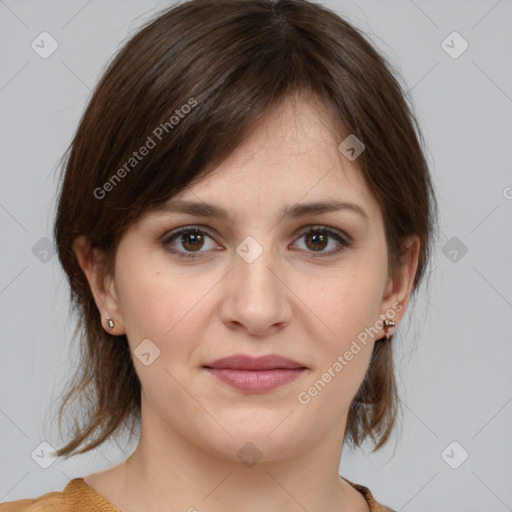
(288, 212)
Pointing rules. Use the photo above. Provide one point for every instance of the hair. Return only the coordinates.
(190, 86)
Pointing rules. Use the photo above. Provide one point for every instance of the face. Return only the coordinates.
(258, 282)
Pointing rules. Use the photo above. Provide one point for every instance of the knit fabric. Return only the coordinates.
(77, 496)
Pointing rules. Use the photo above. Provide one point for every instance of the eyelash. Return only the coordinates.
(323, 230)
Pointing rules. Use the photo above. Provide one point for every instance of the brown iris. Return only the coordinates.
(196, 240)
(319, 240)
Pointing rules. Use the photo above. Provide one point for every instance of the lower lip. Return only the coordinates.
(256, 381)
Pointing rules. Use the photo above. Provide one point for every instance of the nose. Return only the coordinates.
(256, 296)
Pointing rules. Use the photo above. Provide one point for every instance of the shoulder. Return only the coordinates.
(372, 503)
(77, 495)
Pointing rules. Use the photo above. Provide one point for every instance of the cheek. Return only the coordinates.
(161, 305)
(347, 304)
(347, 307)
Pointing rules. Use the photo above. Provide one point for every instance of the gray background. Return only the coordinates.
(454, 351)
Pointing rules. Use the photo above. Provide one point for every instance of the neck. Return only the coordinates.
(169, 472)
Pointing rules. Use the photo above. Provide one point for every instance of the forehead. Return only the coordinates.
(291, 156)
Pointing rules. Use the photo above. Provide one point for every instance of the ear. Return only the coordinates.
(398, 290)
(101, 284)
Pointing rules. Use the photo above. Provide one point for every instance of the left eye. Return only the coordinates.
(318, 238)
(192, 240)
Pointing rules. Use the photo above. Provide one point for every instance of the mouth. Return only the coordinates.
(255, 374)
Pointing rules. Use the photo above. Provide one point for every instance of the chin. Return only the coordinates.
(262, 440)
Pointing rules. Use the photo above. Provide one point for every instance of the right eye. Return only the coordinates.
(191, 238)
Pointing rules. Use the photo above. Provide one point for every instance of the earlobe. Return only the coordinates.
(101, 285)
(113, 321)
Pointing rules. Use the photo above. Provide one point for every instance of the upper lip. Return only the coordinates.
(245, 362)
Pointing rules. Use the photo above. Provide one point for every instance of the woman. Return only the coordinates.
(244, 215)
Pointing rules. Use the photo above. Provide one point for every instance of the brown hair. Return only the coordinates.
(200, 75)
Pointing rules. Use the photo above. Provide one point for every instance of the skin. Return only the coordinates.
(285, 302)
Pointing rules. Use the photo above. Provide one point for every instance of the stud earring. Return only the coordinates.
(387, 325)
(110, 323)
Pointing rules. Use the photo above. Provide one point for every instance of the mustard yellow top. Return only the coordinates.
(80, 497)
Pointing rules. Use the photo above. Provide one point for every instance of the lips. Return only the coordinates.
(245, 362)
(255, 374)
